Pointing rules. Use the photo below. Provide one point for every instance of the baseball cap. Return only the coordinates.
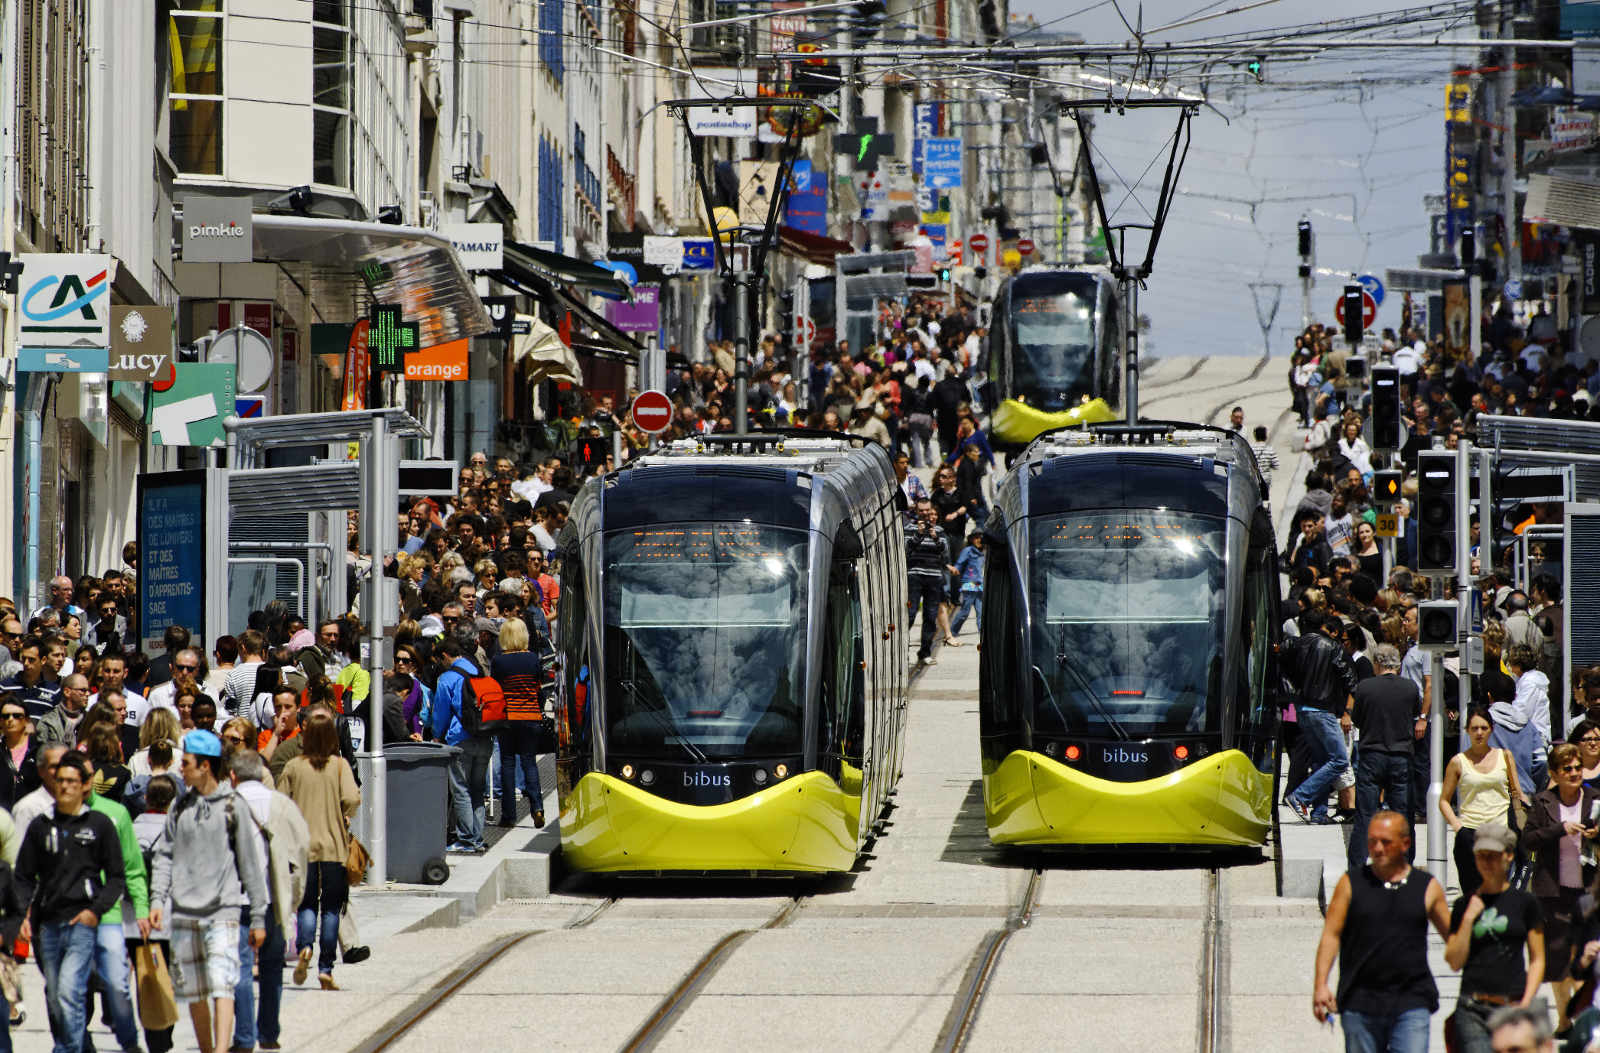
(1494, 837)
(202, 743)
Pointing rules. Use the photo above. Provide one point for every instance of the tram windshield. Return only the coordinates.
(1127, 623)
(1053, 319)
(704, 637)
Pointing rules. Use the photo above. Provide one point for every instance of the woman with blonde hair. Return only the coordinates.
(519, 673)
(321, 783)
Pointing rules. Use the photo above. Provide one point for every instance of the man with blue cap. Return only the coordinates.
(208, 864)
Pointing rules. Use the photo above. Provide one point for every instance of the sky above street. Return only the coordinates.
(1350, 141)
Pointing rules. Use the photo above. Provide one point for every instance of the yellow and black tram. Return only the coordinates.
(733, 684)
(1055, 353)
(1127, 685)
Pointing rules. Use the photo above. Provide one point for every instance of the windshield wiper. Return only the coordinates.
(668, 729)
(1062, 661)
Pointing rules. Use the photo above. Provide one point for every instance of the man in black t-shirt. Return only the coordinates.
(1489, 932)
(1387, 711)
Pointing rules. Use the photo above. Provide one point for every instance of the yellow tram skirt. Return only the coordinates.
(804, 824)
(1016, 423)
(1219, 801)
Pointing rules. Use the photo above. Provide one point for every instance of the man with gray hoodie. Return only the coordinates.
(208, 867)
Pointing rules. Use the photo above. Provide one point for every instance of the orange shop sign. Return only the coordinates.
(447, 361)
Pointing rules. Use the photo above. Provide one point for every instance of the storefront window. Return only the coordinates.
(194, 42)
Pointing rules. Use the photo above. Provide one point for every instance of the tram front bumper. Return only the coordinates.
(803, 824)
(1016, 423)
(1218, 801)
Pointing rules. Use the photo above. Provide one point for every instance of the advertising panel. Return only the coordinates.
(172, 554)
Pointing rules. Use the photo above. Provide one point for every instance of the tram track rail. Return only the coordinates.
(672, 1007)
(415, 1011)
(963, 1014)
(1209, 1031)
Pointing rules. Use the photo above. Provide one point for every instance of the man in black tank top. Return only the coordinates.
(1377, 925)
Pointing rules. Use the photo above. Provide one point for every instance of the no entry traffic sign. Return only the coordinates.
(979, 243)
(1025, 246)
(1369, 310)
(652, 411)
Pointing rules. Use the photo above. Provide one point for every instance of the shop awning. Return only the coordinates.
(561, 270)
(551, 358)
(409, 266)
(813, 248)
(607, 338)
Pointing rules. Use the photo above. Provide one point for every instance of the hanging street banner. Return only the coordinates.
(643, 315)
(941, 163)
(65, 300)
(141, 344)
(357, 368)
(924, 126)
(806, 208)
(190, 412)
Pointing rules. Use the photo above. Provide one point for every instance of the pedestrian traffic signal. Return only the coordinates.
(1436, 512)
(1386, 488)
(1304, 239)
(1468, 247)
(1353, 310)
(944, 274)
(1388, 429)
(1256, 67)
(1437, 625)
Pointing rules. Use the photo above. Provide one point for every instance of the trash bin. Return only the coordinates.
(419, 810)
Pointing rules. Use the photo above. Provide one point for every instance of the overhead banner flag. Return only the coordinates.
(941, 163)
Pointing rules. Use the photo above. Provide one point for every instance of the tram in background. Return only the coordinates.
(733, 681)
(1055, 353)
(1128, 677)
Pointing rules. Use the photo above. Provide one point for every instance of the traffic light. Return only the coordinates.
(1352, 314)
(1388, 429)
(1436, 512)
(1468, 247)
(1255, 67)
(1303, 243)
(1386, 488)
(944, 273)
(1437, 625)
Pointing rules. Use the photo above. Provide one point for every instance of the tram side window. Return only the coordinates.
(1257, 632)
(997, 663)
(573, 630)
(841, 723)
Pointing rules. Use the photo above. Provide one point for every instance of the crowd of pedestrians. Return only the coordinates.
(1521, 804)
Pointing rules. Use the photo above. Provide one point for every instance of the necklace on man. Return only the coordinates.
(1398, 883)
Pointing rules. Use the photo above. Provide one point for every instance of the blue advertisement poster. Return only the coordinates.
(807, 206)
(172, 555)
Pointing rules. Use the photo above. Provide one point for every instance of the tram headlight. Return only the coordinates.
(627, 772)
(1180, 753)
(780, 771)
(647, 777)
(759, 777)
(1072, 753)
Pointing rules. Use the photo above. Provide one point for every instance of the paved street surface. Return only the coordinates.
(875, 959)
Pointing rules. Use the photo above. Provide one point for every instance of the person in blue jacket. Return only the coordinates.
(469, 770)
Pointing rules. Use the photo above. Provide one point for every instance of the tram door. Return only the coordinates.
(1000, 718)
(574, 716)
(1256, 718)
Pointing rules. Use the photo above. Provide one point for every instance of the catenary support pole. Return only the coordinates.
(377, 520)
(1475, 323)
(1130, 392)
(740, 282)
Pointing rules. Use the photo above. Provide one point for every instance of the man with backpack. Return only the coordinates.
(208, 865)
(468, 706)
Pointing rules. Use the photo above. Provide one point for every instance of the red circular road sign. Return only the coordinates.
(1025, 246)
(652, 411)
(805, 331)
(979, 243)
(1369, 310)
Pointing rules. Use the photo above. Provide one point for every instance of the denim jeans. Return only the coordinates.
(926, 591)
(270, 960)
(1321, 729)
(317, 923)
(66, 957)
(111, 966)
(244, 992)
(971, 602)
(1385, 774)
(1405, 1032)
(516, 741)
(469, 786)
